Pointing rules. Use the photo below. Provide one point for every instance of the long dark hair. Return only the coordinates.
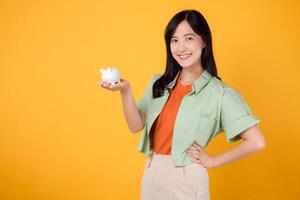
(200, 26)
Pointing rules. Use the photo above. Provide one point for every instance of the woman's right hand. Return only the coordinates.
(122, 86)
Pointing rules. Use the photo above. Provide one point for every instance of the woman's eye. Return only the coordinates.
(190, 38)
(174, 40)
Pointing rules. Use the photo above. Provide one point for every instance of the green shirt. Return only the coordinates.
(211, 107)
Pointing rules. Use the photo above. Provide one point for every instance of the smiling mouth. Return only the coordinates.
(183, 56)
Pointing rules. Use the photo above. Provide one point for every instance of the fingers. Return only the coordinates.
(193, 153)
(109, 86)
(196, 161)
(104, 84)
(198, 147)
(195, 148)
(100, 83)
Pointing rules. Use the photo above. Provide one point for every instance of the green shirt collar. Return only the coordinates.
(198, 84)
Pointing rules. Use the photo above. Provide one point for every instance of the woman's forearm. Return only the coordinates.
(131, 112)
(238, 152)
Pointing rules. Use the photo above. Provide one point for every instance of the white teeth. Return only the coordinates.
(184, 56)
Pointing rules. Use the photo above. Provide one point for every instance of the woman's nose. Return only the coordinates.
(181, 47)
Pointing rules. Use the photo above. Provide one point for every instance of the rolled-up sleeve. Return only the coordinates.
(236, 115)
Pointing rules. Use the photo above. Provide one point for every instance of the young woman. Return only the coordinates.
(182, 110)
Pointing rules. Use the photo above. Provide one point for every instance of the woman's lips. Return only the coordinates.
(184, 56)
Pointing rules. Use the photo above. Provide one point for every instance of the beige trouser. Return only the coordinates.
(163, 181)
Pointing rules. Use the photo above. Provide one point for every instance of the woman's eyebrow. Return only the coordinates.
(184, 35)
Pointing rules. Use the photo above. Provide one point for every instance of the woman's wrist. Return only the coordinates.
(214, 162)
(125, 90)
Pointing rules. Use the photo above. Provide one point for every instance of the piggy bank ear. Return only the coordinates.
(102, 70)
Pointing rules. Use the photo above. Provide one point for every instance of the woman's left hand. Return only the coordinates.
(200, 157)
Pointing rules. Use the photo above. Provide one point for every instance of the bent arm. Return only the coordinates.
(134, 117)
(253, 141)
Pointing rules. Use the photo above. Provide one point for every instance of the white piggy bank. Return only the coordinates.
(110, 75)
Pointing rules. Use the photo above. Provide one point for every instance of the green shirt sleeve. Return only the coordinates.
(236, 115)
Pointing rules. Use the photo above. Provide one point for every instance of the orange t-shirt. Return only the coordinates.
(162, 130)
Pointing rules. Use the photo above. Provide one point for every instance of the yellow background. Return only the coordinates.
(62, 137)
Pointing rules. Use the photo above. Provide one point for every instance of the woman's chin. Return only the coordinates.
(184, 65)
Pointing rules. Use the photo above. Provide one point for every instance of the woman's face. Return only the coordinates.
(186, 46)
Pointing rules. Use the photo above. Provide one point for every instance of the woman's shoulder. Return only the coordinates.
(223, 87)
(216, 84)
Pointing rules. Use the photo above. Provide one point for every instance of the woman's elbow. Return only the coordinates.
(255, 137)
(136, 130)
(261, 144)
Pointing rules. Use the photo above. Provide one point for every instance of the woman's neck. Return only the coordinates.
(188, 75)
